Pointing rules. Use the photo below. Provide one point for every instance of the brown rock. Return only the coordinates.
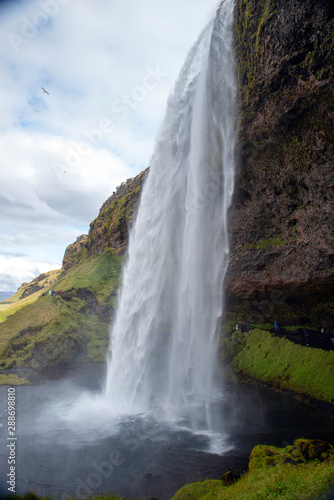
(281, 219)
(230, 477)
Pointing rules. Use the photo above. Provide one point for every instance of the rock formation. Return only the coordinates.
(111, 228)
(281, 221)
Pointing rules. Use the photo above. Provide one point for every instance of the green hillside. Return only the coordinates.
(51, 330)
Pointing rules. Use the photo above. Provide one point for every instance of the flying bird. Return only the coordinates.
(45, 90)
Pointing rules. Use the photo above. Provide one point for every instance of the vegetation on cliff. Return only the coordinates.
(74, 320)
(111, 228)
(280, 364)
(27, 293)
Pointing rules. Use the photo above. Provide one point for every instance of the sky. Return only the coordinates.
(108, 67)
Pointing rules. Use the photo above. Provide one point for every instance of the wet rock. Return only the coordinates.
(289, 461)
(230, 477)
(313, 449)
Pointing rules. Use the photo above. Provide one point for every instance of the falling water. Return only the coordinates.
(164, 338)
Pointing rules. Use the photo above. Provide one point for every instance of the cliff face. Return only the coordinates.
(111, 228)
(72, 251)
(281, 220)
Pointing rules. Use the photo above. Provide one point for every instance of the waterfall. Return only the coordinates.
(164, 337)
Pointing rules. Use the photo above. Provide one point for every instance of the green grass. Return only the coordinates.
(11, 379)
(305, 482)
(26, 322)
(283, 364)
(51, 331)
(16, 302)
(99, 274)
(270, 478)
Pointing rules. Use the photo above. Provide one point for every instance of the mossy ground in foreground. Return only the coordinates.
(300, 472)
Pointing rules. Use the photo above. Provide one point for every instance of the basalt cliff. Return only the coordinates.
(281, 221)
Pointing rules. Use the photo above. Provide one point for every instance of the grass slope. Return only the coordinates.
(303, 471)
(27, 294)
(51, 330)
(281, 363)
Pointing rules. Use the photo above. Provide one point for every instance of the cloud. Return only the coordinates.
(42, 182)
(16, 270)
(109, 68)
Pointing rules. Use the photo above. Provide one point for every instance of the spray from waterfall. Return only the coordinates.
(164, 338)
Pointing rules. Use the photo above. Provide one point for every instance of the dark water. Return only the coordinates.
(68, 444)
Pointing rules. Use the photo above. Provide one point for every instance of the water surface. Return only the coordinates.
(68, 444)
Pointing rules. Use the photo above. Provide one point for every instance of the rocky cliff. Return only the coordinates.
(111, 227)
(281, 220)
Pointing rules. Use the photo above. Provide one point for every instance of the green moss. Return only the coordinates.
(302, 452)
(266, 243)
(12, 379)
(268, 12)
(100, 274)
(284, 364)
(274, 473)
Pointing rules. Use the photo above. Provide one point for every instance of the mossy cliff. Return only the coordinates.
(111, 228)
(281, 221)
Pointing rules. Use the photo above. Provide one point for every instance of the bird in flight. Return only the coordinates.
(45, 90)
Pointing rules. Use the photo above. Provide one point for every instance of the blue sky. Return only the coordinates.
(108, 67)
